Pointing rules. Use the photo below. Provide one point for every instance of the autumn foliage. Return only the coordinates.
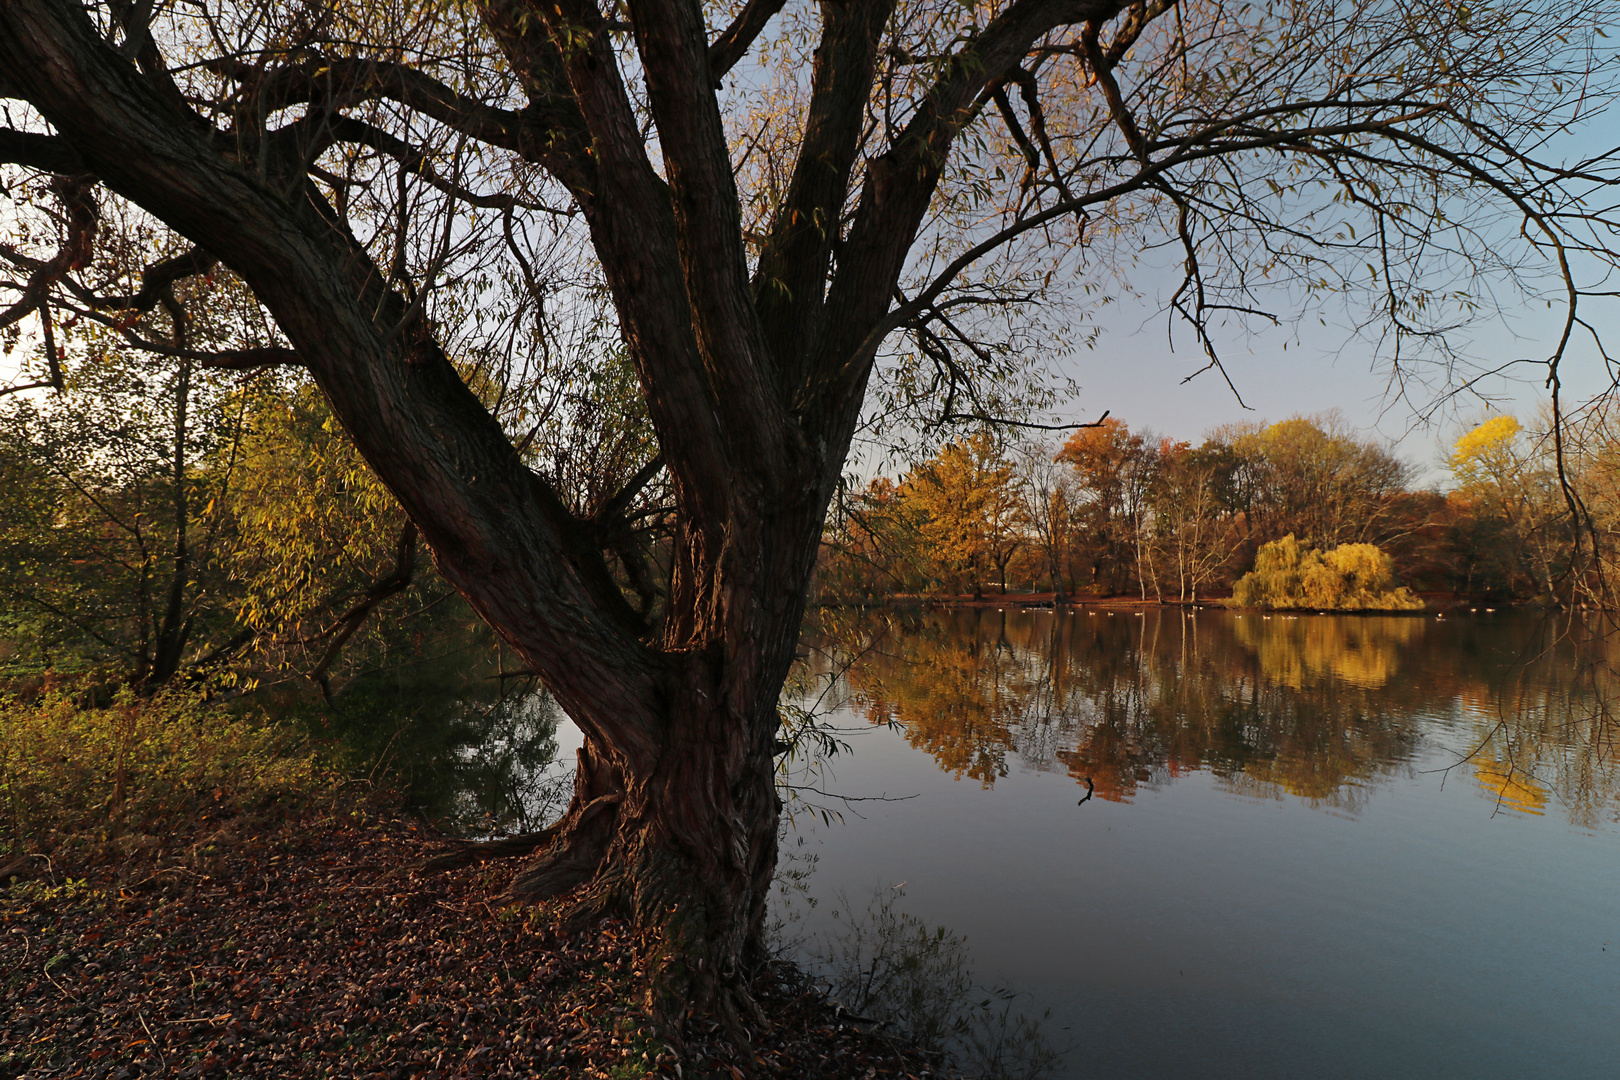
(1112, 511)
(1351, 577)
(1301, 513)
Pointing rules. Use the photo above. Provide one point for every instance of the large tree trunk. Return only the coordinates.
(679, 836)
(752, 380)
(682, 845)
(686, 848)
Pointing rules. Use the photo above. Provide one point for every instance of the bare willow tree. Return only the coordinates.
(761, 222)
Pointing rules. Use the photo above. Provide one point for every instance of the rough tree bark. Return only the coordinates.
(754, 385)
(754, 379)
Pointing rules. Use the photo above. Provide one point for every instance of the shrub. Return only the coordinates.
(1351, 577)
(84, 776)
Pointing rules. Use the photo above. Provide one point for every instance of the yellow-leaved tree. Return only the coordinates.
(321, 543)
(1511, 516)
(968, 511)
(1351, 577)
(1485, 458)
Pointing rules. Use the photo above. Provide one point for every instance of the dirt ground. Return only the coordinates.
(317, 948)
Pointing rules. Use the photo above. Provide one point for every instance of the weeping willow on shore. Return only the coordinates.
(1351, 577)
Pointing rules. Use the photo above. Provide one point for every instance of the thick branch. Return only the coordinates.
(790, 282)
(500, 536)
(82, 218)
(336, 83)
(555, 133)
(1003, 421)
(633, 229)
(901, 184)
(158, 278)
(48, 153)
(703, 194)
(608, 517)
(1103, 72)
(732, 45)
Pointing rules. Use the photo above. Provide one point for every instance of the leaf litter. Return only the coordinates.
(319, 948)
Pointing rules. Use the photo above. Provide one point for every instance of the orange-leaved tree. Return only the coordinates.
(761, 212)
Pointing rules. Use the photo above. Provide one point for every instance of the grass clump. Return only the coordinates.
(85, 778)
(1351, 577)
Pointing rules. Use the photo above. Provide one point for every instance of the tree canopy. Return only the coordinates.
(1112, 511)
(604, 294)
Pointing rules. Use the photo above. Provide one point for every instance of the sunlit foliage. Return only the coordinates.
(1114, 511)
(1511, 516)
(92, 776)
(1351, 577)
(315, 527)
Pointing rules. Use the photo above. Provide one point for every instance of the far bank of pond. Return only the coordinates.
(1434, 603)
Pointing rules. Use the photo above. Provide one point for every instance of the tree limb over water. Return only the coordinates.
(428, 206)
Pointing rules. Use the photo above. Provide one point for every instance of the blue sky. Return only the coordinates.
(1134, 373)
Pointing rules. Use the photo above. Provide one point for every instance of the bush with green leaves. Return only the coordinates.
(82, 777)
(1351, 577)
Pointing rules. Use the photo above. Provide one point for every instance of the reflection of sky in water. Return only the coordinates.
(1279, 876)
(514, 778)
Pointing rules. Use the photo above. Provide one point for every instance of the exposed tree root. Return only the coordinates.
(511, 847)
(575, 855)
(593, 870)
(467, 853)
(674, 857)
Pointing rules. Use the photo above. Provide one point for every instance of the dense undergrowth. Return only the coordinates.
(80, 780)
(190, 888)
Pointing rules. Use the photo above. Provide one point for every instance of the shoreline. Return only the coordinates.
(1434, 604)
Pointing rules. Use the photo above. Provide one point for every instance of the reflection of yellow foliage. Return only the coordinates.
(1296, 651)
(954, 695)
(1312, 707)
(1304, 775)
(1509, 786)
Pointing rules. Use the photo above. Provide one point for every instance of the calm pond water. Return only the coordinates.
(1319, 846)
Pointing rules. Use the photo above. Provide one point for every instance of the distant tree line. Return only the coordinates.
(1114, 512)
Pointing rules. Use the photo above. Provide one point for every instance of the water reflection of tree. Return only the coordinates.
(1299, 650)
(1317, 707)
(468, 749)
(1550, 732)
